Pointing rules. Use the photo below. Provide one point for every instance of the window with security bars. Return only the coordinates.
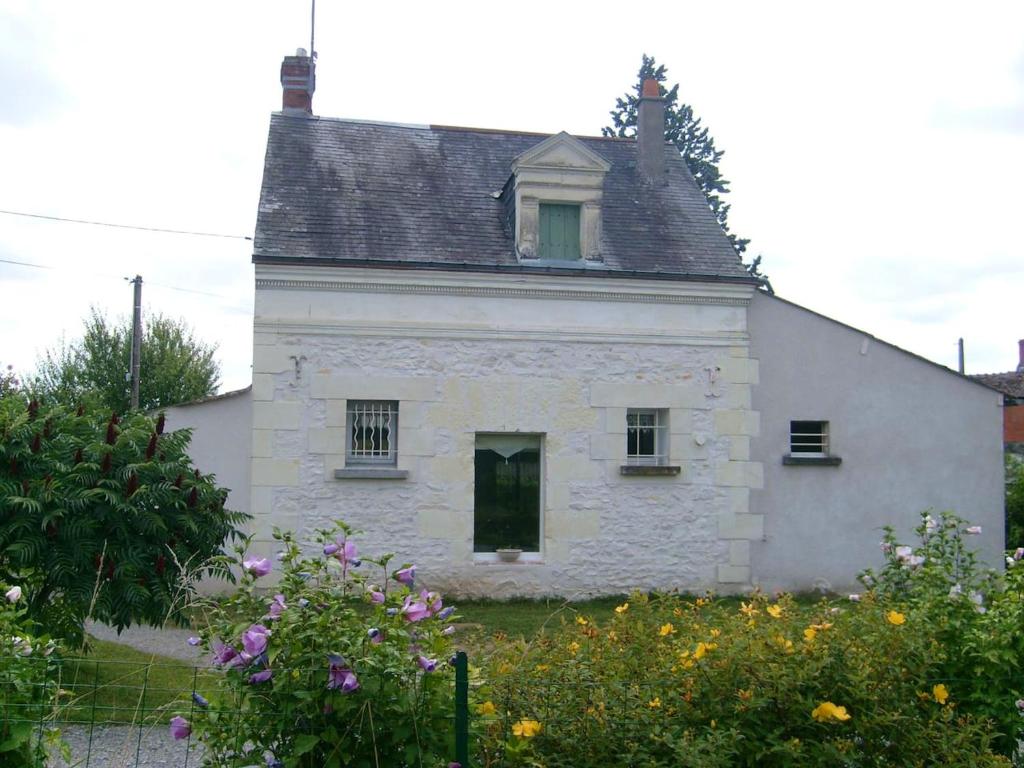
(808, 438)
(646, 437)
(372, 432)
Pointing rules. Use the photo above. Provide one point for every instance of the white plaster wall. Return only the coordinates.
(462, 360)
(221, 429)
(911, 436)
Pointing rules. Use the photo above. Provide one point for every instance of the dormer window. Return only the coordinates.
(559, 232)
(557, 188)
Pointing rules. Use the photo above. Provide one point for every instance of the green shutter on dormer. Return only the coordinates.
(559, 232)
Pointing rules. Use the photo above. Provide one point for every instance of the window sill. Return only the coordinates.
(370, 473)
(491, 558)
(811, 461)
(650, 470)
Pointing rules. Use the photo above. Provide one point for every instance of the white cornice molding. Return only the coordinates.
(360, 280)
(291, 326)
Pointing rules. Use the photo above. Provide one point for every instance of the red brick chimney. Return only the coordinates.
(298, 81)
(650, 131)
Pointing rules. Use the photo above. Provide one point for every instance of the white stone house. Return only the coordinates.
(470, 340)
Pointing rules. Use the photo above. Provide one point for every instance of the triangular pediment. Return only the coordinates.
(561, 151)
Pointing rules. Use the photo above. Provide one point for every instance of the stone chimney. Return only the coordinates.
(298, 81)
(1020, 356)
(650, 131)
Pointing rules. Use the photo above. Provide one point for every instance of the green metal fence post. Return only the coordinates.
(462, 709)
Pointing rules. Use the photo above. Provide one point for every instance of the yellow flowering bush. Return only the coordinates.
(673, 681)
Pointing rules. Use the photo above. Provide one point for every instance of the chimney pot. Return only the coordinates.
(298, 81)
(1020, 356)
(650, 131)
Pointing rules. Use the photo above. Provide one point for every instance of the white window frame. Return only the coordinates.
(382, 414)
(816, 439)
(659, 426)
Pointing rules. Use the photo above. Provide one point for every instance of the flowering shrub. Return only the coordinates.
(975, 615)
(346, 662)
(681, 682)
(27, 687)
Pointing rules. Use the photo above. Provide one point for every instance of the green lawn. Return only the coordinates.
(115, 683)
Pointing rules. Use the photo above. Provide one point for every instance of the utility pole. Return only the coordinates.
(960, 346)
(136, 339)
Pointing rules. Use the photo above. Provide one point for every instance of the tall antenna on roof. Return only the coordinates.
(312, 30)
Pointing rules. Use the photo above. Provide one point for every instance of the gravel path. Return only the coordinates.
(116, 746)
(165, 642)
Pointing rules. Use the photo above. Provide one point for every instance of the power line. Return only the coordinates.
(114, 277)
(125, 226)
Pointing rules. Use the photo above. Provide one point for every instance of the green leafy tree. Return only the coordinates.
(1014, 501)
(104, 517)
(691, 138)
(175, 367)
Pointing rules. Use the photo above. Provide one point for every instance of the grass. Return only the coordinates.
(118, 684)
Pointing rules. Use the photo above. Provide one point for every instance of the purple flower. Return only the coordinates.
(427, 665)
(273, 762)
(276, 607)
(454, 765)
(193, 641)
(1020, 705)
(257, 566)
(254, 639)
(448, 631)
(180, 728)
(199, 700)
(224, 654)
(1018, 553)
(303, 602)
(373, 632)
(339, 676)
(349, 554)
(406, 575)
(414, 610)
(391, 611)
(377, 597)
(973, 530)
(261, 677)
(330, 549)
(444, 614)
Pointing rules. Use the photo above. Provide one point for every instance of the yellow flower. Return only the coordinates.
(654, 703)
(701, 602)
(505, 668)
(622, 608)
(823, 626)
(748, 609)
(574, 647)
(612, 635)
(775, 611)
(745, 694)
(940, 693)
(828, 711)
(677, 613)
(703, 648)
(487, 708)
(809, 634)
(542, 667)
(666, 629)
(527, 729)
(716, 632)
(581, 621)
(895, 617)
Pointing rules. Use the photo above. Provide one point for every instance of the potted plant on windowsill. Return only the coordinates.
(508, 554)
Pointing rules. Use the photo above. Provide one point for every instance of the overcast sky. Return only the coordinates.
(875, 150)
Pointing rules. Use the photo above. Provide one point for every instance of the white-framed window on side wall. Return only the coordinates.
(810, 443)
(507, 496)
(647, 437)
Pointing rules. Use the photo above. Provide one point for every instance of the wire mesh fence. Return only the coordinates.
(86, 713)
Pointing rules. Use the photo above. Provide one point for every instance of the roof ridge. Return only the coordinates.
(443, 127)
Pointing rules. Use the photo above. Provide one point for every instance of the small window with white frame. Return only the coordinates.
(808, 439)
(372, 432)
(646, 437)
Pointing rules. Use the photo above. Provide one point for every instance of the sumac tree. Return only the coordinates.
(104, 516)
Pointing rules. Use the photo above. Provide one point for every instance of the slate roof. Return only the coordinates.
(350, 192)
(1010, 383)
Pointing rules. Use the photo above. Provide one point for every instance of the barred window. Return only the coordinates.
(646, 437)
(372, 432)
(808, 438)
